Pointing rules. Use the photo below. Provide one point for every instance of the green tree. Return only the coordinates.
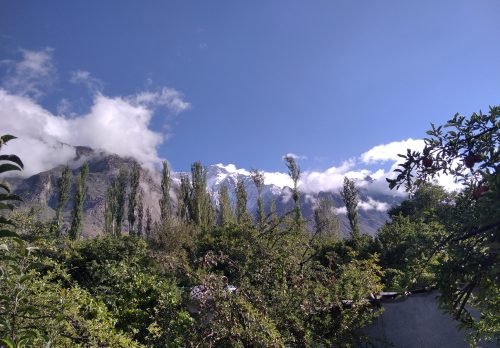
(242, 215)
(110, 208)
(149, 223)
(200, 204)
(135, 176)
(165, 204)
(183, 198)
(325, 221)
(120, 194)
(294, 172)
(258, 180)
(226, 213)
(63, 186)
(467, 149)
(140, 214)
(350, 196)
(77, 214)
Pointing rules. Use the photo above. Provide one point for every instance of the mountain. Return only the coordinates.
(40, 192)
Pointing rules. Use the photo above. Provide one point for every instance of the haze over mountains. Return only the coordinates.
(40, 191)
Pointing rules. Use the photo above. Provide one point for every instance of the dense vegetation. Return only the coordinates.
(214, 275)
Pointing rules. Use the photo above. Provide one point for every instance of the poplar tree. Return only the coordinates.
(258, 180)
(350, 196)
(140, 214)
(183, 198)
(273, 216)
(108, 217)
(149, 222)
(135, 176)
(77, 214)
(110, 208)
(294, 172)
(120, 196)
(200, 205)
(325, 221)
(242, 215)
(226, 214)
(63, 185)
(165, 204)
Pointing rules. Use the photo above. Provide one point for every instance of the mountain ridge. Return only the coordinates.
(40, 192)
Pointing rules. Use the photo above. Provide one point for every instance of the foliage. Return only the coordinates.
(77, 214)
(135, 176)
(350, 196)
(63, 186)
(225, 211)
(467, 149)
(40, 307)
(242, 215)
(258, 180)
(405, 246)
(7, 163)
(165, 208)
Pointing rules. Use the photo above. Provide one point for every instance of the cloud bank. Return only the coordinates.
(120, 125)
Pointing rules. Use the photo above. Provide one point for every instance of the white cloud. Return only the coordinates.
(372, 204)
(328, 180)
(167, 97)
(84, 77)
(390, 151)
(33, 75)
(114, 124)
(340, 211)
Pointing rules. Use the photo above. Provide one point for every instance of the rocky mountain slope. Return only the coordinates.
(40, 192)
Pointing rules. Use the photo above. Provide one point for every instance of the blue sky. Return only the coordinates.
(327, 80)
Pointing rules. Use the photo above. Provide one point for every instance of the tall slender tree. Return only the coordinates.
(183, 199)
(120, 196)
(350, 196)
(242, 215)
(110, 208)
(140, 214)
(226, 213)
(294, 172)
(200, 204)
(63, 185)
(165, 203)
(325, 221)
(77, 214)
(135, 176)
(273, 216)
(149, 223)
(258, 180)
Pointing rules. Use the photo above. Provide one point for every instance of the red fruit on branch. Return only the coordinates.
(427, 162)
(478, 191)
(470, 160)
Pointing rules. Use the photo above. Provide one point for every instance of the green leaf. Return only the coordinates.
(5, 186)
(7, 137)
(9, 197)
(6, 206)
(4, 247)
(12, 158)
(6, 167)
(8, 341)
(4, 220)
(8, 234)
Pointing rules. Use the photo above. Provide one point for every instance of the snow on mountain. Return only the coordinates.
(40, 191)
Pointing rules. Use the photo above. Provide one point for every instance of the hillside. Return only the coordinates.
(40, 192)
